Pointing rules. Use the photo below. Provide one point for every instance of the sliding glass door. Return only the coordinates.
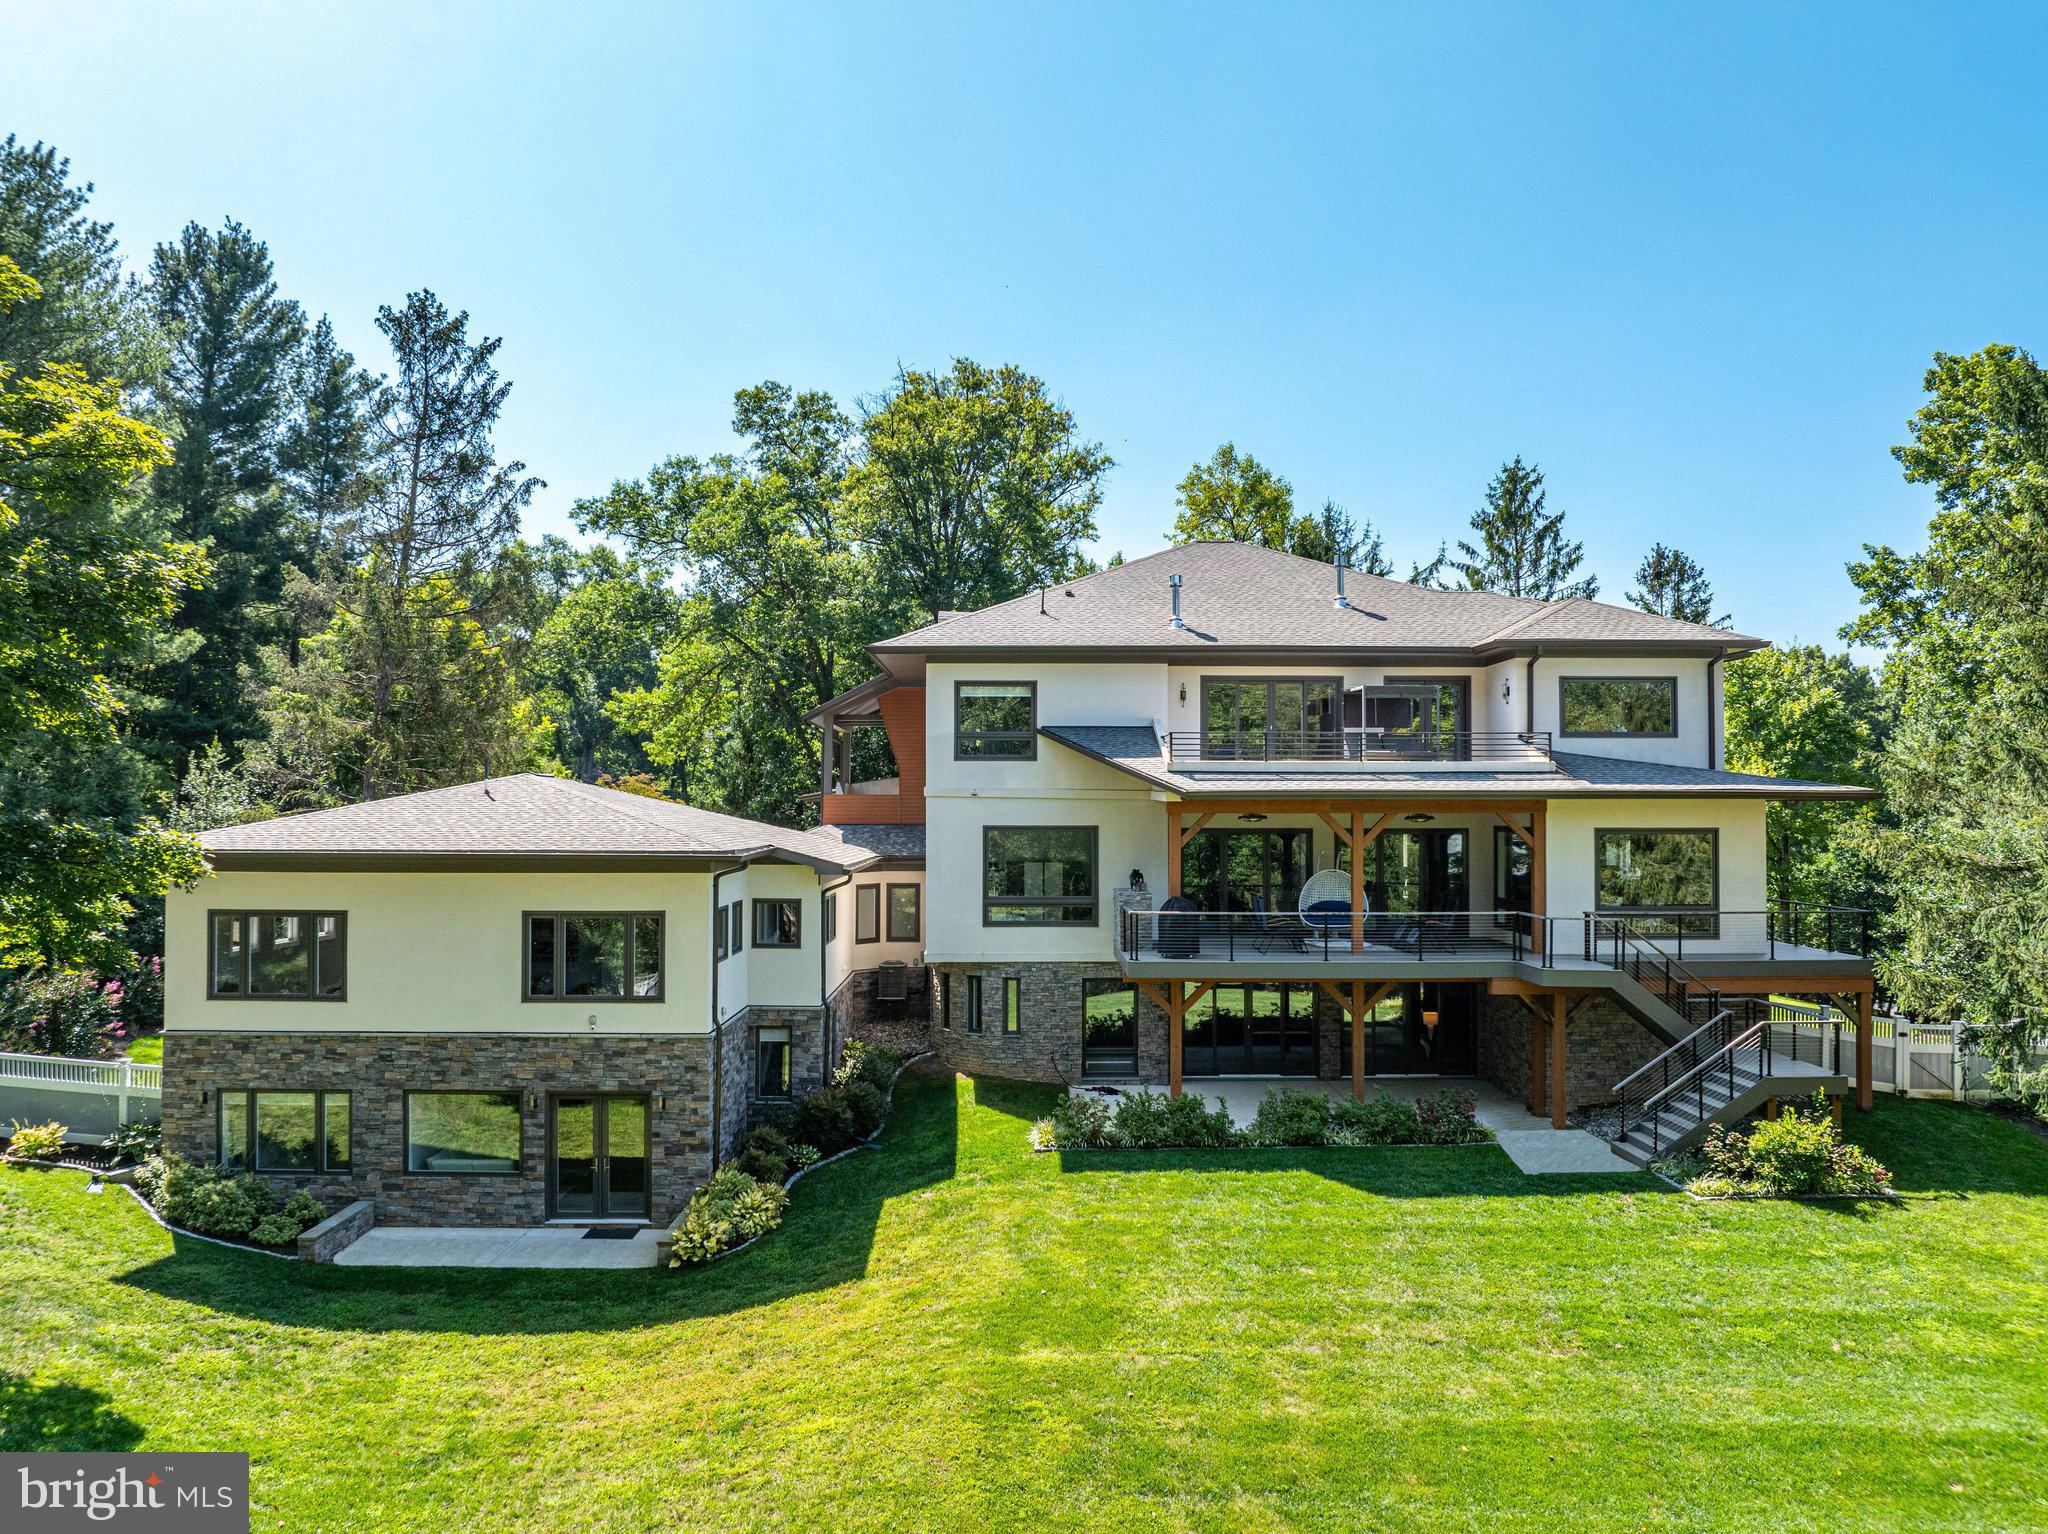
(1260, 719)
(1229, 870)
(1251, 1030)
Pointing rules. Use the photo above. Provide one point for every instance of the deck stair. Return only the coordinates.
(1651, 986)
(1720, 1073)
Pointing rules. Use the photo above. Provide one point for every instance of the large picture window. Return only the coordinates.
(278, 955)
(1038, 876)
(995, 719)
(1668, 880)
(285, 1131)
(474, 1133)
(1618, 705)
(592, 956)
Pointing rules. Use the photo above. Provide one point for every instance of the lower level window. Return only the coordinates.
(285, 1131)
(974, 1003)
(473, 1132)
(771, 1055)
(1013, 1004)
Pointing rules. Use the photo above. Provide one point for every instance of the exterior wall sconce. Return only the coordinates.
(1183, 692)
(660, 1101)
(532, 1101)
(1429, 1017)
(1507, 689)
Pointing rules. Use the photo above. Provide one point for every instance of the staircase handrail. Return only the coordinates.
(1676, 977)
(1752, 1036)
(1623, 1085)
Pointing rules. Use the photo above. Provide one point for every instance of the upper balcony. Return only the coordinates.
(1365, 748)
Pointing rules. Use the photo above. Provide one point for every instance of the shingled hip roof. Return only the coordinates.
(525, 816)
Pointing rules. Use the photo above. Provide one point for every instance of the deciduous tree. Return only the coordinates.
(1236, 498)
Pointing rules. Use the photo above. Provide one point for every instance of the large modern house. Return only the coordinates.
(1217, 812)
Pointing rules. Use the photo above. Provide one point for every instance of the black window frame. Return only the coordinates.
(974, 1003)
(1506, 846)
(916, 913)
(405, 1129)
(1027, 737)
(340, 919)
(763, 1038)
(721, 942)
(791, 907)
(1092, 901)
(322, 1165)
(1213, 746)
(867, 913)
(1668, 683)
(1013, 1005)
(736, 928)
(1698, 921)
(828, 914)
(946, 1000)
(560, 918)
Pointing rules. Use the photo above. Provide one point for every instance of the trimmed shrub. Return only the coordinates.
(209, 1200)
(730, 1209)
(1291, 1118)
(823, 1119)
(1799, 1152)
(278, 1229)
(1448, 1117)
(865, 1102)
(1382, 1120)
(766, 1156)
(1148, 1119)
(1079, 1121)
(36, 1142)
(867, 1062)
(306, 1209)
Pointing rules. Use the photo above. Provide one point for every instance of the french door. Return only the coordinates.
(598, 1157)
(1251, 1030)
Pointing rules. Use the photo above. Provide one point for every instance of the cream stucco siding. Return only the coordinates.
(434, 952)
(847, 954)
(1740, 824)
(1067, 694)
(1688, 749)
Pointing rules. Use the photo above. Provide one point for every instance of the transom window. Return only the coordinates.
(285, 1131)
(1618, 705)
(778, 924)
(278, 955)
(995, 719)
(1661, 878)
(1038, 876)
(584, 956)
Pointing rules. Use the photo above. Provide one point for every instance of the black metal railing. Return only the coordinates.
(1414, 935)
(1616, 942)
(1195, 747)
(1838, 931)
(1697, 1076)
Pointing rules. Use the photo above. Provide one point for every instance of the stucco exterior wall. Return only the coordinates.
(1570, 874)
(1688, 749)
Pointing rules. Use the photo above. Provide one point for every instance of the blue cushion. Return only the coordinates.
(1328, 913)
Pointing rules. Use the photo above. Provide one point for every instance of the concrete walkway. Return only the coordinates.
(493, 1246)
(1529, 1141)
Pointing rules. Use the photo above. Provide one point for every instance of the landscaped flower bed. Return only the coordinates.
(1150, 1121)
(228, 1206)
(1799, 1154)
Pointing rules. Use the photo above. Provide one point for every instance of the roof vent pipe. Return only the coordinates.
(1173, 585)
(1342, 560)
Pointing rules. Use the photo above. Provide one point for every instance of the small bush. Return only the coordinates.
(1383, 1120)
(804, 1155)
(1147, 1120)
(36, 1142)
(149, 1177)
(306, 1209)
(214, 1207)
(728, 1210)
(278, 1229)
(824, 1119)
(1799, 1152)
(1291, 1118)
(766, 1156)
(1448, 1117)
(212, 1201)
(865, 1102)
(867, 1062)
(1080, 1121)
(136, 1142)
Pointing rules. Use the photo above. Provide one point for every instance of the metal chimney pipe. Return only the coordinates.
(1342, 560)
(1173, 585)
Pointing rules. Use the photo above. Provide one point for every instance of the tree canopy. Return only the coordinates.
(1522, 550)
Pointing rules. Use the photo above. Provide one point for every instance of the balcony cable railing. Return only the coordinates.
(1198, 747)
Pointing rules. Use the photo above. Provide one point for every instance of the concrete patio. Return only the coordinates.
(1529, 1141)
(491, 1246)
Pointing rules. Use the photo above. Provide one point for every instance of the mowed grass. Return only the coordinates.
(953, 1334)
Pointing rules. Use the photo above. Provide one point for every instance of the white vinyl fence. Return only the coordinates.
(90, 1098)
(1918, 1059)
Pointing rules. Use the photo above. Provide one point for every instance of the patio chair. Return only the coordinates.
(1275, 933)
(1326, 902)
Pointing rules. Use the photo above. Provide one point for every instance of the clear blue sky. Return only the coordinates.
(1690, 260)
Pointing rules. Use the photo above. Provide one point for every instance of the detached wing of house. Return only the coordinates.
(1228, 811)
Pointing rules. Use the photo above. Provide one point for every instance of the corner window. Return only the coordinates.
(1608, 706)
(593, 956)
(831, 917)
(995, 719)
(288, 1131)
(1038, 876)
(974, 1003)
(1512, 869)
(867, 914)
(278, 955)
(473, 1133)
(905, 917)
(771, 1061)
(1013, 1004)
(1669, 881)
(778, 924)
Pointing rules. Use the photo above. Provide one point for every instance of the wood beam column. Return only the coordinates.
(1358, 1010)
(1865, 1004)
(1176, 1009)
(1539, 1065)
(1358, 882)
(1538, 836)
(1173, 856)
(1557, 1016)
(828, 750)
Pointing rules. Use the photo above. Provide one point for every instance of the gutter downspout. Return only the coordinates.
(1713, 713)
(717, 1072)
(1529, 693)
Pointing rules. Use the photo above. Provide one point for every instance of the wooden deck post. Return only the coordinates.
(1176, 1009)
(1358, 1041)
(1865, 1002)
(1539, 1067)
(1358, 881)
(1557, 1060)
(1538, 836)
(1771, 1108)
(1172, 851)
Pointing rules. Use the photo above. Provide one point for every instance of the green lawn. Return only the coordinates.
(954, 1334)
(147, 1050)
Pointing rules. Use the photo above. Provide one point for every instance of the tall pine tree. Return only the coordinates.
(1672, 584)
(1522, 550)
